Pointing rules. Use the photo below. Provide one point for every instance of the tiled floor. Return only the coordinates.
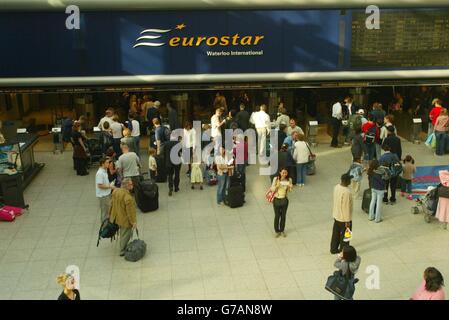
(200, 251)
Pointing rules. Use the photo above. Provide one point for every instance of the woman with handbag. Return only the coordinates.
(302, 156)
(280, 188)
(348, 263)
(79, 150)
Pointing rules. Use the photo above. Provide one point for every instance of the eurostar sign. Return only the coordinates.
(155, 38)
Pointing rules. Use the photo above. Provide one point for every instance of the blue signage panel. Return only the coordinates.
(214, 42)
(128, 43)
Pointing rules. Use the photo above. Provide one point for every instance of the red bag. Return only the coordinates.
(17, 211)
(7, 215)
(269, 196)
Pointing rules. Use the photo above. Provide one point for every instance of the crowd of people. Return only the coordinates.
(372, 136)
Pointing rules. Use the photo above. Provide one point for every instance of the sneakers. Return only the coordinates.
(170, 193)
(176, 190)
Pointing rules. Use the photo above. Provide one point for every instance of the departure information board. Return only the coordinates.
(411, 39)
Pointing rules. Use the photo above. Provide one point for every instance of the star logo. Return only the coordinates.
(180, 26)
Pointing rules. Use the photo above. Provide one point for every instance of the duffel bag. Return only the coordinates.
(136, 249)
(7, 215)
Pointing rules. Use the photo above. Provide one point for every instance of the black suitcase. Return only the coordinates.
(147, 195)
(235, 197)
(366, 200)
(238, 179)
(161, 169)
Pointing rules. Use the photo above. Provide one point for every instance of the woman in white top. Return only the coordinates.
(223, 168)
(188, 142)
(301, 156)
(116, 129)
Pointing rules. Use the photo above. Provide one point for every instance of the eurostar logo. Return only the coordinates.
(148, 35)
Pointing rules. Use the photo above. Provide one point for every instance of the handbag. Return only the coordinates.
(269, 196)
(431, 141)
(347, 235)
(343, 286)
(312, 156)
(443, 192)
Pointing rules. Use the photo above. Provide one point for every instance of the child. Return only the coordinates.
(356, 171)
(152, 164)
(196, 175)
(407, 176)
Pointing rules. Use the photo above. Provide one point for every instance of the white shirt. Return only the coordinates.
(189, 138)
(102, 178)
(215, 123)
(220, 160)
(337, 111)
(301, 153)
(103, 120)
(136, 129)
(260, 119)
(117, 129)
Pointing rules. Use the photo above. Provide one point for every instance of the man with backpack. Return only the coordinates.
(370, 137)
(161, 135)
(123, 212)
(391, 162)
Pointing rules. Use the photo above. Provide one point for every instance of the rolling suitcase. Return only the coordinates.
(147, 195)
(236, 196)
(366, 200)
(238, 179)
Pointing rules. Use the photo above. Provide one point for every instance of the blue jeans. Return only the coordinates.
(221, 187)
(406, 186)
(301, 169)
(440, 137)
(376, 202)
(378, 151)
(370, 151)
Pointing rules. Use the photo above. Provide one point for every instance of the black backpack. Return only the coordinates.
(396, 168)
(370, 135)
(107, 230)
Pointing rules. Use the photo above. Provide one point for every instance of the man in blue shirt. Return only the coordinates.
(386, 160)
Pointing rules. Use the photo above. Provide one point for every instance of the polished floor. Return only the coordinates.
(197, 250)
